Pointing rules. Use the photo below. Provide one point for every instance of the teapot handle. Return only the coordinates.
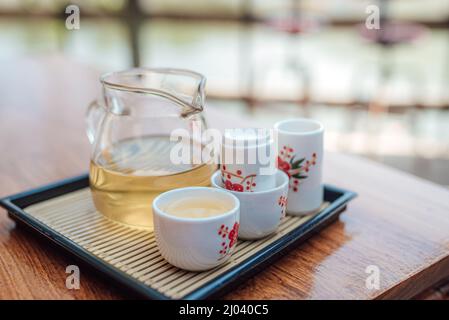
(93, 117)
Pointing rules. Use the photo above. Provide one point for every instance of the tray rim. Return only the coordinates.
(15, 205)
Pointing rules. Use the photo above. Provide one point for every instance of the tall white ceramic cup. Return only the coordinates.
(300, 155)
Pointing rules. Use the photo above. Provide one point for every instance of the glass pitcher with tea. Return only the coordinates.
(130, 129)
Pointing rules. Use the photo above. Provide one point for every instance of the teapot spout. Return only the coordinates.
(184, 88)
(190, 94)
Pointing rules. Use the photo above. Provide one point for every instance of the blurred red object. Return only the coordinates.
(391, 33)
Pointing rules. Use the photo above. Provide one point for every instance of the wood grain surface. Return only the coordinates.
(398, 223)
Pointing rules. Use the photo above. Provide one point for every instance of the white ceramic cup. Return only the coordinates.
(261, 211)
(196, 244)
(246, 156)
(300, 155)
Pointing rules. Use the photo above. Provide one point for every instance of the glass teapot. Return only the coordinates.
(131, 132)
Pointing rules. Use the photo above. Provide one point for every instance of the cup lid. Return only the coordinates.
(247, 137)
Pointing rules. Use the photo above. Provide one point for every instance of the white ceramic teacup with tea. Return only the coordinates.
(196, 228)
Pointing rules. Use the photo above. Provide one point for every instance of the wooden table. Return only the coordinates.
(398, 223)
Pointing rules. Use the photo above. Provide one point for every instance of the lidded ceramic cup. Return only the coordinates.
(247, 160)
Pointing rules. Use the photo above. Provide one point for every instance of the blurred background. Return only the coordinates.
(381, 94)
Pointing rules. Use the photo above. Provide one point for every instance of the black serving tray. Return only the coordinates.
(17, 204)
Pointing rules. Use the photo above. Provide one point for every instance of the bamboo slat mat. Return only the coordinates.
(134, 251)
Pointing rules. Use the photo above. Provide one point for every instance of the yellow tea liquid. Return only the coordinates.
(197, 207)
(127, 177)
